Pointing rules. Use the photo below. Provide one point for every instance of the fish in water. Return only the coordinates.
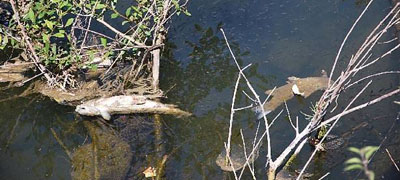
(105, 107)
(295, 86)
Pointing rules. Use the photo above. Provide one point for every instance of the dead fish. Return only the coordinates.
(295, 86)
(105, 107)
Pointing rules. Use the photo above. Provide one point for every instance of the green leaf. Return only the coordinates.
(371, 175)
(5, 41)
(147, 33)
(45, 38)
(352, 167)
(31, 15)
(54, 49)
(59, 35)
(69, 22)
(93, 67)
(175, 2)
(355, 150)
(41, 15)
(124, 22)
(187, 13)
(13, 42)
(51, 12)
(46, 48)
(49, 24)
(103, 41)
(63, 4)
(136, 9)
(88, 5)
(100, 6)
(128, 11)
(114, 15)
(370, 150)
(353, 160)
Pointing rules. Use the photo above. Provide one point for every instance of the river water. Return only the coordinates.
(280, 39)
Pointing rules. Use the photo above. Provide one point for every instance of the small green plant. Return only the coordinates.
(361, 163)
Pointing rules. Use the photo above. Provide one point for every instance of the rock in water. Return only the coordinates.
(237, 157)
(107, 157)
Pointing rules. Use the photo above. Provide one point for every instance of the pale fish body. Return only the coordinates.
(106, 106)
(306, 86)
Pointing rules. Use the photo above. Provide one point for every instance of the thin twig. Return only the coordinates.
(370, 76)
(245, 155)
(394, 163)
(329, 130)
(324, 176)
(61, 143)
(383, 140)
(25, 37)
(228, 146)
(359, 107)
(254, 93)
(345, 39)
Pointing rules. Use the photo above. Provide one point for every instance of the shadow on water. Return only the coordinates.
(28, 149)
(279, 39)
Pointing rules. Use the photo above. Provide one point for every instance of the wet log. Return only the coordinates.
(13, 71)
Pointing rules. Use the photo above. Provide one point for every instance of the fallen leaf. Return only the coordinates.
(150, 172)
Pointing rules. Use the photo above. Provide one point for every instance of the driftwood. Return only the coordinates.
(72, 97)
(126, 105)
(14, 71)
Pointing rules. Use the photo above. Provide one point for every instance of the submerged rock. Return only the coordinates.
(237, 157)
(107, 157)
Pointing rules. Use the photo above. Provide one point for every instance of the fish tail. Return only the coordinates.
(259, 112)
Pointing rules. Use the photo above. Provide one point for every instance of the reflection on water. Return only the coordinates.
(28, 149)
(279, 39)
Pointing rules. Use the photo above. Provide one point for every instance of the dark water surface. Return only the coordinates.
(279, 38)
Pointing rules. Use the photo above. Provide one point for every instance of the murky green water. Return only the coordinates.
(279, 38)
